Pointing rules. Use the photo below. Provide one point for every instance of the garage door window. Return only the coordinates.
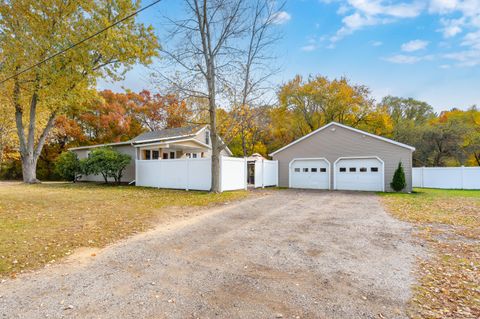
(305, 170)
(343, 169)
(323, 170)
(297, 170)
(374, 169)
(363, 169)
(352, 169)
(313, 170)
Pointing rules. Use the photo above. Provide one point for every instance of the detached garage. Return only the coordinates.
(339, 157)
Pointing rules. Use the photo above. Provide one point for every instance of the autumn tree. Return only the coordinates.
(318, 101)
(33, 31)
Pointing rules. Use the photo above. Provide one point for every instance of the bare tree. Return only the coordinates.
(214, 43)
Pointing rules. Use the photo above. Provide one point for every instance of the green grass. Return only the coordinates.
(43, 223)
(449, 222)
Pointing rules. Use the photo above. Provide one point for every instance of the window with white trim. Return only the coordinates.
(207, 137)
(297, 170)
(323, 170)
(373, 169)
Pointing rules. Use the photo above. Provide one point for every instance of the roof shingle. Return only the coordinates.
(168, 133)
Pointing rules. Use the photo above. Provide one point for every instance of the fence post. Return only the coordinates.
(463, 178)
(245, 167)
(187, 164)
(263, 173)
(423, 176)
(220, 164)
(276, 174)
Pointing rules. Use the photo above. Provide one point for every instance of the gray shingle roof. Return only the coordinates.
(168, 133)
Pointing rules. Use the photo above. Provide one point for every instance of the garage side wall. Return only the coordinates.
(342, 142)
(128, 174)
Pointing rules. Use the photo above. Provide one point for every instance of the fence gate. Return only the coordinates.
(266, 173)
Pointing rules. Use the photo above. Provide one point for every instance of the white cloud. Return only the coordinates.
(377, 43)
(467, 58)
(362, 13)
(407, 59)
(309, 48)
(414, 45)
(281, 17)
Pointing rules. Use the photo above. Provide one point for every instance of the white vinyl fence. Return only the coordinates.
(191, 174)
(447, 177)
(266, 173)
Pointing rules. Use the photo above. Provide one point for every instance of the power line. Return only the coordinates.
(80, 42)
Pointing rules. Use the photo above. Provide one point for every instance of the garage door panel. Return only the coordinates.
(363, 174)
(310, 174)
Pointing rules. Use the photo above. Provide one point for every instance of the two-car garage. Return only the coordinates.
(363, 173)
(339, 157)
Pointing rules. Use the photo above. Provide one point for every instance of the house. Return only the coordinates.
(174, 143)
(339, 157)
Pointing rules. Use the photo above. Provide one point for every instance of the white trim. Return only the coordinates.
(311, 159)
(173, 143)
(358, 157)
(98, 145)
(349, 128)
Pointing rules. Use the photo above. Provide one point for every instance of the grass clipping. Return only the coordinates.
(449, 222)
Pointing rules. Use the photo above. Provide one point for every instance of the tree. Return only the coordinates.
(443, 140)
(209, 44)
(68, 166)
(107, 162)
(33, 31)
(398, 183)
(319, 101)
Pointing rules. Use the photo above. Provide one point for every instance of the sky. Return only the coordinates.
(424, 49)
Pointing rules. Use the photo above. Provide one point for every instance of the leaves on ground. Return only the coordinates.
(449, 222)
(40, 224)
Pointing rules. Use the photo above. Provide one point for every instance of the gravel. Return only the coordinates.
(280, 254)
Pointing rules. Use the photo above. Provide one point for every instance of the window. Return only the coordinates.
(305, 169)
(155, 155)
(363, 169)
(373, 169)
(207, 137)
(147, 154)
(165, 156)
(297, 170)
(313, 170)
(172, 154)
(323, 170)
(343, 169)
(188, 155)
(352, 169)
(194, 155)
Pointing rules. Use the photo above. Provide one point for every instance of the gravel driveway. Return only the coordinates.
(281, 254)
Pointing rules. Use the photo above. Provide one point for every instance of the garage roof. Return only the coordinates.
(348, 128)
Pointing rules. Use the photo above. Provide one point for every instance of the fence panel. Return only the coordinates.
(233, 173)
(192, 174)
(266, 173)
(447, 177)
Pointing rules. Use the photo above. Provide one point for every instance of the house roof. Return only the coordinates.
(168, 133)
(348, 128)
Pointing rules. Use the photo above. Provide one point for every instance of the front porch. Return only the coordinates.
(173, 150)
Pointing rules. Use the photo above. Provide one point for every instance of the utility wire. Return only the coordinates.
(80, 42)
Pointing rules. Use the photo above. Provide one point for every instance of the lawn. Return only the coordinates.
(449, 222)
(40, 224)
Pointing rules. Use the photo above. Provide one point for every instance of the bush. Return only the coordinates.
(107, 162)
(398, 183)
(68, 166)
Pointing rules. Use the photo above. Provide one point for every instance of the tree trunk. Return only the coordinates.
(29, 169)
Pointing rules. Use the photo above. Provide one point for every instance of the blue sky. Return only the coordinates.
(425, 49)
